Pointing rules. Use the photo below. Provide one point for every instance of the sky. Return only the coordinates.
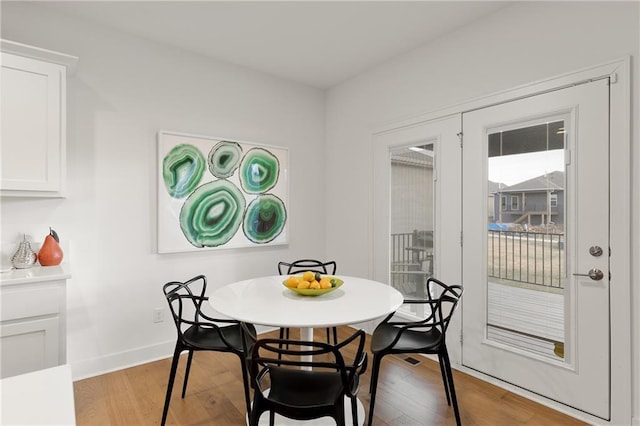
(512, 169)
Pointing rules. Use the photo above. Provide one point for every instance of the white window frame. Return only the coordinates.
(515, 201)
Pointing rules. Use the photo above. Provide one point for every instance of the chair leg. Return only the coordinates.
(172, 377)
(284, 334)
(354, 410)
(256, 410)
(272, 418)
(452, 389)
(281, 337)
(339, 413)
(245, 383)
(444, 378)
(186, 373)
(375, 369)
(253, 418)
(333, 330)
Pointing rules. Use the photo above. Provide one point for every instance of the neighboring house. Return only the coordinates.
(494, 187)
(537, 201)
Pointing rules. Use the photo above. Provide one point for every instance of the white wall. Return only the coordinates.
(124, 91)
(517, 45)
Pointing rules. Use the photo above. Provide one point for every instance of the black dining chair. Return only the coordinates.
(303, 265)
(425, 336)
(199, 332)
(287, 384)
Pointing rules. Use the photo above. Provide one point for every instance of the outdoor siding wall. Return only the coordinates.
(409, 211)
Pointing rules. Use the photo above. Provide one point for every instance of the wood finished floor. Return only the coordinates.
(407, 395)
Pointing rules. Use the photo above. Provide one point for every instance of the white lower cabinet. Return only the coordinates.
(32, 320)
(30, 345)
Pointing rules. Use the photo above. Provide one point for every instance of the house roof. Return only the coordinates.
(495, 186)
(548, 181)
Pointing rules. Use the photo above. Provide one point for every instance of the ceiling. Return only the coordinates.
(317, 43)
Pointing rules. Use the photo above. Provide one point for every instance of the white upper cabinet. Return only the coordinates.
(33, 102)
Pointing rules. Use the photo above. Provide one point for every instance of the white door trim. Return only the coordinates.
(620, 199)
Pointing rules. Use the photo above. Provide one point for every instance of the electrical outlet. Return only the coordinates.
(158, 315)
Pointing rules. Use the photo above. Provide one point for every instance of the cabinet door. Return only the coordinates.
(33, 127)
(29, 345)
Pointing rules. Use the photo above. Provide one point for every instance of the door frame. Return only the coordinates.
(620, 236)
(445, 146)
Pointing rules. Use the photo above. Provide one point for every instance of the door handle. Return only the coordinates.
(594, 273)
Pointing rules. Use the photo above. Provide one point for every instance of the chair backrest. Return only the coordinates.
(269, 356)
(444, 301)
(185, 302)
(302, 265)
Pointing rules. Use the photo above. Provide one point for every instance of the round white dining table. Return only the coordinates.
(266, 301)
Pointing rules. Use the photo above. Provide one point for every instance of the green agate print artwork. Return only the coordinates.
(224, 158)
(265, 218)
(259, 171)
(182, 169)
(212, 214)
(217, 193)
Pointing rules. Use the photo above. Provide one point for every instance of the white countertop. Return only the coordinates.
(34, 274)
(43, 397)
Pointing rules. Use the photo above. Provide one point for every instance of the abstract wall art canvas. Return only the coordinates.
(218, 193)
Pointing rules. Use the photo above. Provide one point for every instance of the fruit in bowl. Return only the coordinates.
(312, 283)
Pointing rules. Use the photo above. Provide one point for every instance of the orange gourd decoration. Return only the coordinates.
(50, 253)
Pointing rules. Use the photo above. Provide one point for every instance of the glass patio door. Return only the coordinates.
(416, 204)
(536, 257)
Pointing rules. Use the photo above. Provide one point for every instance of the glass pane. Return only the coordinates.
(412, 217)
(526, 238)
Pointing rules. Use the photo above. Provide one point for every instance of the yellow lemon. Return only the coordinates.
(314, 285)
(292, 281)
(308, 276)
(325, 283)
(303, 284)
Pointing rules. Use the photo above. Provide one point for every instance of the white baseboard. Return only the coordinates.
(635, 421)
(121, 360)
(118, 361)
